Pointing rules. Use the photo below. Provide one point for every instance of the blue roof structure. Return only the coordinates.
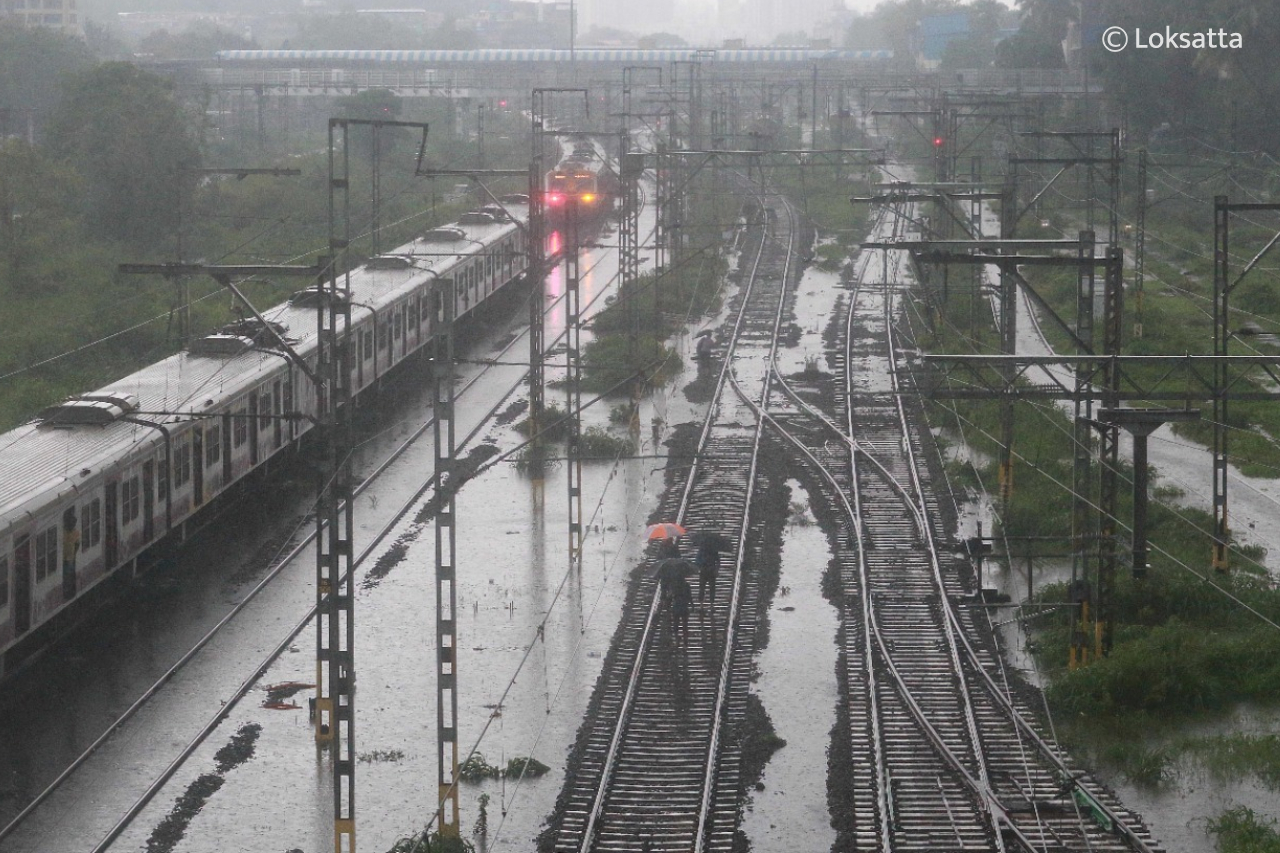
(778, 55)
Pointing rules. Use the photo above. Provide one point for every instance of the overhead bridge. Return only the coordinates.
(539, 55)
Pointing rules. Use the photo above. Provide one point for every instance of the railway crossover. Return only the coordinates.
(947, 751)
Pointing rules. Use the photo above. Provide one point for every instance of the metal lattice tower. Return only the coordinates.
(446, 565)
(573, 382)
(536, 249)
(1082, 515)
(335, 599)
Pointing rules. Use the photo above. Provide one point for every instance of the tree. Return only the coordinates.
(655, 40)
(371, 104)
(1029, 50)
(35, 198)
(794, 38)
(199, 41)
(32, 64)
(123, 131)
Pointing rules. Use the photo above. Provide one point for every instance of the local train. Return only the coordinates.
(93, 483)
(581, 185)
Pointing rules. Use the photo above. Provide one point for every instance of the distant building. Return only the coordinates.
(54, 14)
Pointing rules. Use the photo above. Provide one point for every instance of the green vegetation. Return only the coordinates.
(122, 130)
(631, 331)
(477, 769)
(529, 768)
(433, 842)
(1241, 830)
(599, 443)
(1181, 646)
(108, 180)
(1236, 755)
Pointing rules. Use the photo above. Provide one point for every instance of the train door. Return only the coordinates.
(278, 424)
(148, 500)
(111, 528)
(288, 406)
(197, 466)
(253, 428)
(21, 584)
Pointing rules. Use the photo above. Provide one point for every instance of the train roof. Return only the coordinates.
(44, 459)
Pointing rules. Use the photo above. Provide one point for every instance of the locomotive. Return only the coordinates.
(582, 186)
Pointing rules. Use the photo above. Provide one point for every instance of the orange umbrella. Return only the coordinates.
(665, 530)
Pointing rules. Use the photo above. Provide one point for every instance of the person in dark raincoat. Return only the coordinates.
(670, 570)
(668, 549)
(681, 603)
(708, 559)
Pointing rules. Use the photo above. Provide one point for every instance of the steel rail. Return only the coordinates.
(726, 664)
(872, 625)
(995, 811)
(957, 632)
(646, 637)
(883, 784)
(1045, 749)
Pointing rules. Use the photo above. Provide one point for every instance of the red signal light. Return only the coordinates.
(937, 141)
(555, 198)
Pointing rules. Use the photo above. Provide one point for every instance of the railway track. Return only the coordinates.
(948, 754)
(658, 769)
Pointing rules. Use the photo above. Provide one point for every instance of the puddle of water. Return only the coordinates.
(800, 660)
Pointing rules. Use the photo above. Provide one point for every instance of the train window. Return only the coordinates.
(4, 580)
(181, 463)
(398, 324)
(91, 524)
(413, 311)
(162, 480)
(212, 445)
(130, 500)
(384, 336)
(366, 338)
(239, 427)
(46, 552)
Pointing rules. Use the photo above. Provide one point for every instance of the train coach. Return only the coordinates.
(88, 487)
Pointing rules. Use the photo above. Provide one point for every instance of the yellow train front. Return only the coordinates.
(573, 192)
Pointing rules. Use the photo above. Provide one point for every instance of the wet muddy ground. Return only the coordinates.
(788, 809)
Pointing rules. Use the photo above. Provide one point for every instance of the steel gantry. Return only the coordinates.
(1092, 590)
(1223, 286)
(543, 100)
